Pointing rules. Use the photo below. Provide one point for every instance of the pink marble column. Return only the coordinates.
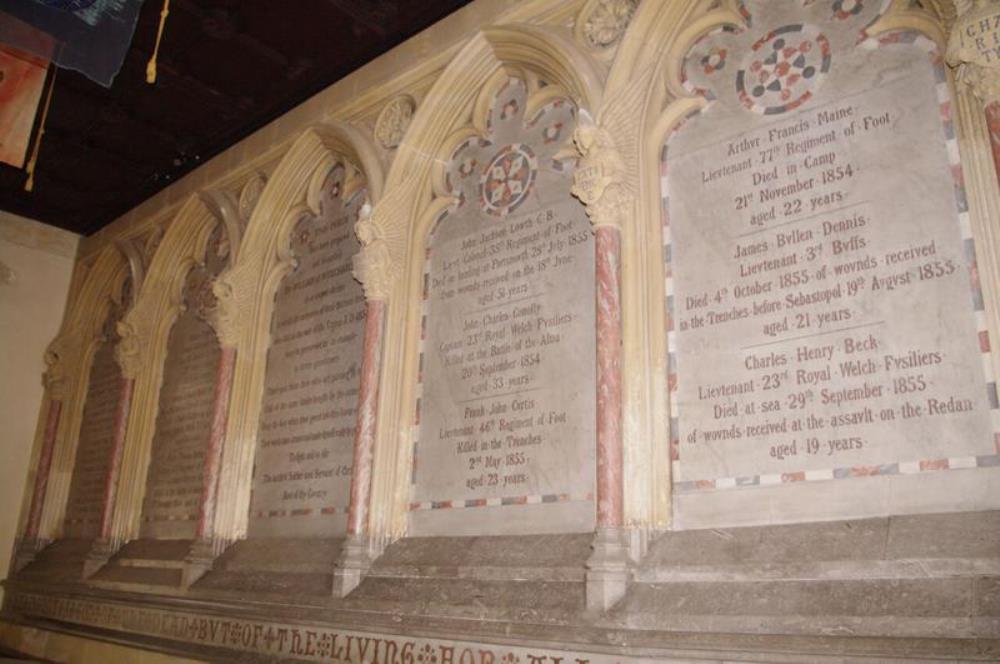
(607, 249)
(993, 125)
(364, 436)
(115, 460)
(213, 455)
(42, 474)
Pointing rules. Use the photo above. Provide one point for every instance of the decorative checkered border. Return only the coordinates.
(304, 511)
(982, 331)
(461, 503)
(161, 519)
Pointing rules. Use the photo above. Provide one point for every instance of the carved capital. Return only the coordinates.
(601, 179)
(226, 317)
(974, 48)
(54, 377)
(128, 352)
(373, 265)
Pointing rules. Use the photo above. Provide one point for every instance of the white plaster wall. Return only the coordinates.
(36, 262)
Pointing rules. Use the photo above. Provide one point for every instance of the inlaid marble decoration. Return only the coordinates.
(302, 475)
(183, 425)
(505, 437)
(88, 484)
(828, 350)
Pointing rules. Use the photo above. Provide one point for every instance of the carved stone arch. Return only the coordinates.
(68, 358)
(645, 82)
(144, 333)
(413, 204)
(246, 291)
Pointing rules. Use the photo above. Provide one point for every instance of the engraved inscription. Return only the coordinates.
(90, 471)
(305, 454)
(822, 313)
(507, 406)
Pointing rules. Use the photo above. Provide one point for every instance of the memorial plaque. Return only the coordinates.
(305, 452)
(506, 418)
(176, 467)
(826, 316)
(93, 452)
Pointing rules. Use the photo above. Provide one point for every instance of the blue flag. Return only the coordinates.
(89, 36)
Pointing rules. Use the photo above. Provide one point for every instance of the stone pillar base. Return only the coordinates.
(26, 551)
(355, 560)
(199, 561)
(608, 570)
(99, 555)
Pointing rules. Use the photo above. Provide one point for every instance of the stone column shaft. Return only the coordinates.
(607, 249)
(217, 434)
(993, 126)
(364, 437)
(115, 460)
(42, 473)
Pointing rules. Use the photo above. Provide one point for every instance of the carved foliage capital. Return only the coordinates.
(974, 48)
(54, 377)
(129, 351)
(601, 179)
(373, 265)
(227, 318)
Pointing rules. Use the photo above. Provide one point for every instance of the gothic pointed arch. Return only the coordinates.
(144, 333)
(246, 291)
(646, 97)
(68, 359)
(415, 200)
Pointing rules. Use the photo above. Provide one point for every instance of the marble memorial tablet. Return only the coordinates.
(826, 318)
(506, 436)
(93, 453)
(176, 468)
(302, 479)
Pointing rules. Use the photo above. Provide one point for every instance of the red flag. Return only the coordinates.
(22, 77)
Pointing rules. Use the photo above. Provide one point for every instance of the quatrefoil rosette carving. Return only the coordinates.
(781, 59)
(500, 172)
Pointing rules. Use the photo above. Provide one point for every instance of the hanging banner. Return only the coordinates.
(22, 77)
(89, 36)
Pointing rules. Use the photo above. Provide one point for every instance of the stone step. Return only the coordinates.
(542, 600)
(61, 561)
(156, 549)
(939, 607)
(281, 556)
(146, 576)
(485, 573)
(152, 563)
(286, 584)
(926, 568)
(973, 536)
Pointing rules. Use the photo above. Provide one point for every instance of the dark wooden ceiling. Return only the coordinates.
(226, 68)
